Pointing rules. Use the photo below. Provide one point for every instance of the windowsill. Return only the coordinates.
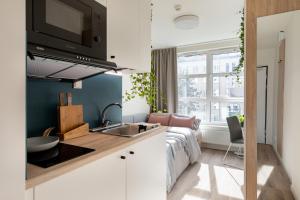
(214, 125)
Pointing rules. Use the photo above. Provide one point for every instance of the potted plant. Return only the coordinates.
(241, 119)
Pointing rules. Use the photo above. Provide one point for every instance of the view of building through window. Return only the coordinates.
(205, 87)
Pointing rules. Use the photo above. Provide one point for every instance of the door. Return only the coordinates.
(146, 170)
(280, 98)
(261, 104)
(104, 179)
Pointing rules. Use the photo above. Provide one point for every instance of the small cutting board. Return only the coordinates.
(70, 117)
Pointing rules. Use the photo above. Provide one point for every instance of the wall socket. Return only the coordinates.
(77, 85)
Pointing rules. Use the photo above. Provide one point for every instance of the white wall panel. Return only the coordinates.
(12, 101)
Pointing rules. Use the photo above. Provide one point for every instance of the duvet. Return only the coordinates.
(182, 150)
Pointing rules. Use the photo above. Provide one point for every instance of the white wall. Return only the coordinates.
(215, 136)
(135, 106)
(291, 130)
(12, 101)
(267, 57)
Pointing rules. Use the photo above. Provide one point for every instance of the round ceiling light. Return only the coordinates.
(186, 22)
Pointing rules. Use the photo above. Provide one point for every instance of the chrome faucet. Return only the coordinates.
(104, 121)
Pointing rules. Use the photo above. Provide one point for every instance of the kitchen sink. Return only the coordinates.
(127, 130)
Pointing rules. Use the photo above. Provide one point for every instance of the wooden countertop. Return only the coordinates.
(103, 145)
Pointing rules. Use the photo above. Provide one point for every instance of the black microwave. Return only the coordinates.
(74, 27)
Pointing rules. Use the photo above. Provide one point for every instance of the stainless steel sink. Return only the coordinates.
(128, 130)
(100, 129)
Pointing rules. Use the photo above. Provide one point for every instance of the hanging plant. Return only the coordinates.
(240, 67)
(144, 85)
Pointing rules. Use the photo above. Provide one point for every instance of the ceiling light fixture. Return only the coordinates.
(186, 22)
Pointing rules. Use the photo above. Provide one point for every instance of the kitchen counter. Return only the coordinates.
(103, 144)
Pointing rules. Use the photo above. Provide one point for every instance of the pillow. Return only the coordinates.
(163, 119)
(187, 122)
(196, 124)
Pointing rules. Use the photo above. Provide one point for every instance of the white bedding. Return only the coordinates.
(182, 150)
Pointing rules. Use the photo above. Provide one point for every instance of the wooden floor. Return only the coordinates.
(211, 179)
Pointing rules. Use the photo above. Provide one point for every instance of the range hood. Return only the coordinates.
(49, 63)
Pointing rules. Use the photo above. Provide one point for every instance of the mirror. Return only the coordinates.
(278, 97)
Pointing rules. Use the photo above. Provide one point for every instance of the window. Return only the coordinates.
(205, 87)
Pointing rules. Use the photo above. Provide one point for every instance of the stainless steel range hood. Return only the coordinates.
(56, 69)
(52, 64)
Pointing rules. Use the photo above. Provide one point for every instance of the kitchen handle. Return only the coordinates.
(131, 152)
(112, 57)
(47, 132)
(123, 157)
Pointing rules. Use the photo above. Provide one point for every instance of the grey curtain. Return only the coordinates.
(164, 62)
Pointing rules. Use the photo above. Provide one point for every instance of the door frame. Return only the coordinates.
(266, 100)
(280, 98)
(253, 10)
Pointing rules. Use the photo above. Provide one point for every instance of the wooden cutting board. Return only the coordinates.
(70, 117)
(77, 132)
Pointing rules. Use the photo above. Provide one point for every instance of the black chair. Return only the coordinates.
(236, 135)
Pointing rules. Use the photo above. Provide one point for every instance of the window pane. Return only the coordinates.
(193, 107)
(225, 63)
(221, 110)
(225, 96)
(191, 64)
(228, 86)
(182, 87)
(192, 87)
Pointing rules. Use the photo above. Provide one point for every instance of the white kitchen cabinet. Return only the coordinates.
(29, 194)
(146, 170)
(129, 33)
(103, 179)
(139, 175)
(145, 36)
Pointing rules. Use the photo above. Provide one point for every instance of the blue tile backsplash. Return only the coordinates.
(96, 93)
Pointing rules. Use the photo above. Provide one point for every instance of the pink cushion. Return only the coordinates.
(187, 122)
(163, 119)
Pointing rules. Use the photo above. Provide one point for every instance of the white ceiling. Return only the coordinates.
(219, 20)
(268, 29)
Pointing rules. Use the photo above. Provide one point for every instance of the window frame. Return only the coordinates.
(209, 99)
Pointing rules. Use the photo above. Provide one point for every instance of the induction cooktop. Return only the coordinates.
(59, 154)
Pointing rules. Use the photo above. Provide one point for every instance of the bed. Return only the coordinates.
(182, 150)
